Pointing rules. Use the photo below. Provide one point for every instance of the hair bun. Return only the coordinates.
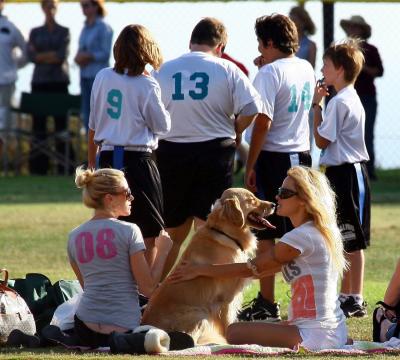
(83, 177)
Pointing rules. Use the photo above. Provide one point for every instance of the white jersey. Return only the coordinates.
(286, 87)
(344, 125)
(127, 110)
(313, 280)
(203, 93)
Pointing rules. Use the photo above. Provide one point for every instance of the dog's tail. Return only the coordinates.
(208, 333)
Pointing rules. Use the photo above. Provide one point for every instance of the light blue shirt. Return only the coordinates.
(10, 39)
(96, 39)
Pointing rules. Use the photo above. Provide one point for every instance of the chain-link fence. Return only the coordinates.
(172, 22)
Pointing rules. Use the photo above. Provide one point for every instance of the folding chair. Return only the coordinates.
(46, 105)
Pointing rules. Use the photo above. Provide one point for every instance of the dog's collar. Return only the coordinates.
(239, 245)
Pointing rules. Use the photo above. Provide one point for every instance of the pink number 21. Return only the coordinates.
(105, 247)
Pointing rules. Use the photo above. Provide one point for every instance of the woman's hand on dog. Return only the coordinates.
(184, 271)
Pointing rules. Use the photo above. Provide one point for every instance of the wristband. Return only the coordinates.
(253, 267)
(315, 104)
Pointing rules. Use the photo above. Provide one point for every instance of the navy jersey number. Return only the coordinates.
(200, 92)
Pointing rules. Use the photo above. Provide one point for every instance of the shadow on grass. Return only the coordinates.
(51, 189)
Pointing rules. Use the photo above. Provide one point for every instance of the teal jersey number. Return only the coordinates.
(293, 107)
(201, 80)
(178, 87)
(305, 97)
(114, 99)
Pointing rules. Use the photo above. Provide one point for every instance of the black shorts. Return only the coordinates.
(353, 196)
(193, 176)
(144, 180)
(271, 169)
(88, 337)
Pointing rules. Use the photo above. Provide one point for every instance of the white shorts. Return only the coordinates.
(321, 338)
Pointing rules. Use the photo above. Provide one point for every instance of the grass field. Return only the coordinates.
(36, 214)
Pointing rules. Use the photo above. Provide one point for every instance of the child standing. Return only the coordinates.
(280, 136)
(126, 118)
(340, 135)
(107, 256)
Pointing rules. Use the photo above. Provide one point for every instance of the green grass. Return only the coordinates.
(37, 214)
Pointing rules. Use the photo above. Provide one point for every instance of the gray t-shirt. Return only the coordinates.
(101, 249)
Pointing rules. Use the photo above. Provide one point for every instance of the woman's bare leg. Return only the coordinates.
(265, 334)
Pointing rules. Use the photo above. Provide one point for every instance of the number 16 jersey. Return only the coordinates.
(202, 94)
(286, 87)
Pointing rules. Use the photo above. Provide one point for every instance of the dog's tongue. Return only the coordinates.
(267, 223)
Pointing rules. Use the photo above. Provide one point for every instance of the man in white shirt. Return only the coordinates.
(202, 93)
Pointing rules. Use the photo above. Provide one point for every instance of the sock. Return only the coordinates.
(358, 298)
(343, 297)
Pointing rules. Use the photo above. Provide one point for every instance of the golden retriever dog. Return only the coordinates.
(203, 307)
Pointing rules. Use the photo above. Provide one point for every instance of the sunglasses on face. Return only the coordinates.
(284, 193)
(127, 193)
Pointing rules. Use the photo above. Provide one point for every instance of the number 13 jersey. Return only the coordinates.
(202, 94)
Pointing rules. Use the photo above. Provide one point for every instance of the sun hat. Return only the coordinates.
(356, 20)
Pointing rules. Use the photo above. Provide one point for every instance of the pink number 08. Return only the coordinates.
(105, 247)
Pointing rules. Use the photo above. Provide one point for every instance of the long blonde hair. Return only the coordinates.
(313, 188)
(97, 183)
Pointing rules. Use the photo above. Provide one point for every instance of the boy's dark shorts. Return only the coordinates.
(271, 169)
(345, 180)
(144, 180)
(193, 176)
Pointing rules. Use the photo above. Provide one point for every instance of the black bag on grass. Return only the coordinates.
(384, 327)
(43, 297)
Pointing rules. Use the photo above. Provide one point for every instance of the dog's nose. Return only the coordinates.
(273, 206)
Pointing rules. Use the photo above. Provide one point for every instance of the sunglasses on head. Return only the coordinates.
(284, 193)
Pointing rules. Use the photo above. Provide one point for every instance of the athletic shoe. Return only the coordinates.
(17, 338)
(351, 308)
(260, 309)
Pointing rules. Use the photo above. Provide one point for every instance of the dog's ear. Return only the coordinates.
(232, 211)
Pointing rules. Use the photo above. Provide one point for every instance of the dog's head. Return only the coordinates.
(242, 208)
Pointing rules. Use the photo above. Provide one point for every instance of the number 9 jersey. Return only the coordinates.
(202, 93)
(127, 110)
